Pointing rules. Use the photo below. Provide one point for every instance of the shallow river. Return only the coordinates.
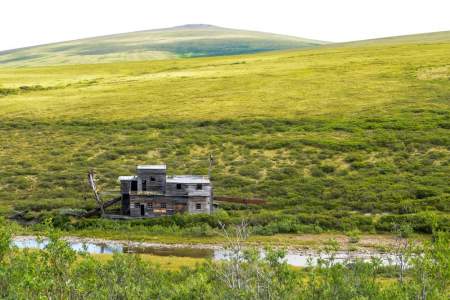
(295, 258)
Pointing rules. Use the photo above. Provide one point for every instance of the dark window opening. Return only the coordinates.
(152, 178)
(134, 186)
(199, 186)
(142, 210)
(163, 205)
(178, 186)
(198, 206)
(144, 185)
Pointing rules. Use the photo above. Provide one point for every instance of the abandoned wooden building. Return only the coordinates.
(151, 193)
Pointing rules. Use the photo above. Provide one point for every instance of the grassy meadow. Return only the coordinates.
(345, 137)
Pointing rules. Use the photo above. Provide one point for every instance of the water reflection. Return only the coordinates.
(292, 258)
(100, 248)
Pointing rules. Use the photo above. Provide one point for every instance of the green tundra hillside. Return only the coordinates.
(340, 137)
(176, 42)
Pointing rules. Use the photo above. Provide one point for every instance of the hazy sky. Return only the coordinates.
(25, 23)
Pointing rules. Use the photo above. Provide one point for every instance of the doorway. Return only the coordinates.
(134, 186)
(142, 210)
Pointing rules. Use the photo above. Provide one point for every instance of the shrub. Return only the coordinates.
(354, 236)
(328, 168)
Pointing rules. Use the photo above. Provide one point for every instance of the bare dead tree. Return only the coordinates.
(91, 180)
(232, 274)
(245, 271)
(401, 247)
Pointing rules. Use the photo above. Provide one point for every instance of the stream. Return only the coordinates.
(299, 258)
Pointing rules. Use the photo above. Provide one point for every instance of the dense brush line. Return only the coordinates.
(58, 272)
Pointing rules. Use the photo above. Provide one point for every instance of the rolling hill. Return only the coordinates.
(420, 38)
(335, 137)
(182, 41)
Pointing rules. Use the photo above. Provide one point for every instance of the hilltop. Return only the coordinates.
(193, 40)
(336, 137)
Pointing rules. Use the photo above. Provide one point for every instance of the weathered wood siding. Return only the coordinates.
(187, 189)
(125, 207)
(125, 186)
(157, 205)
(155, 180)
(152, 193)
(199, 205)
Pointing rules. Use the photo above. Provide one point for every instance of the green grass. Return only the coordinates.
(170, 263)
(176, 42)
(335, 137)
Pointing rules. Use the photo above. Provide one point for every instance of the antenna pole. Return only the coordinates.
(211, 160)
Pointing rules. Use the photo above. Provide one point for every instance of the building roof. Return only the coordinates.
(127, 178)
(187, 179)
(151, 167)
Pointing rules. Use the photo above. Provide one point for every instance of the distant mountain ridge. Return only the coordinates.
(191, 40)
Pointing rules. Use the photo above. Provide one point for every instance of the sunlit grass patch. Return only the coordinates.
(171, 263)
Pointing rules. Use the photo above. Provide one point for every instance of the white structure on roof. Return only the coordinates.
(123, 178)
(151, 167)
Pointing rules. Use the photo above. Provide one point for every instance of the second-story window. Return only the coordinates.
(199, 186)
(178, 186)
(163, 205)
(152, 178)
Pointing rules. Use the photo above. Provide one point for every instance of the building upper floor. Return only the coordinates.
(153, 179)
